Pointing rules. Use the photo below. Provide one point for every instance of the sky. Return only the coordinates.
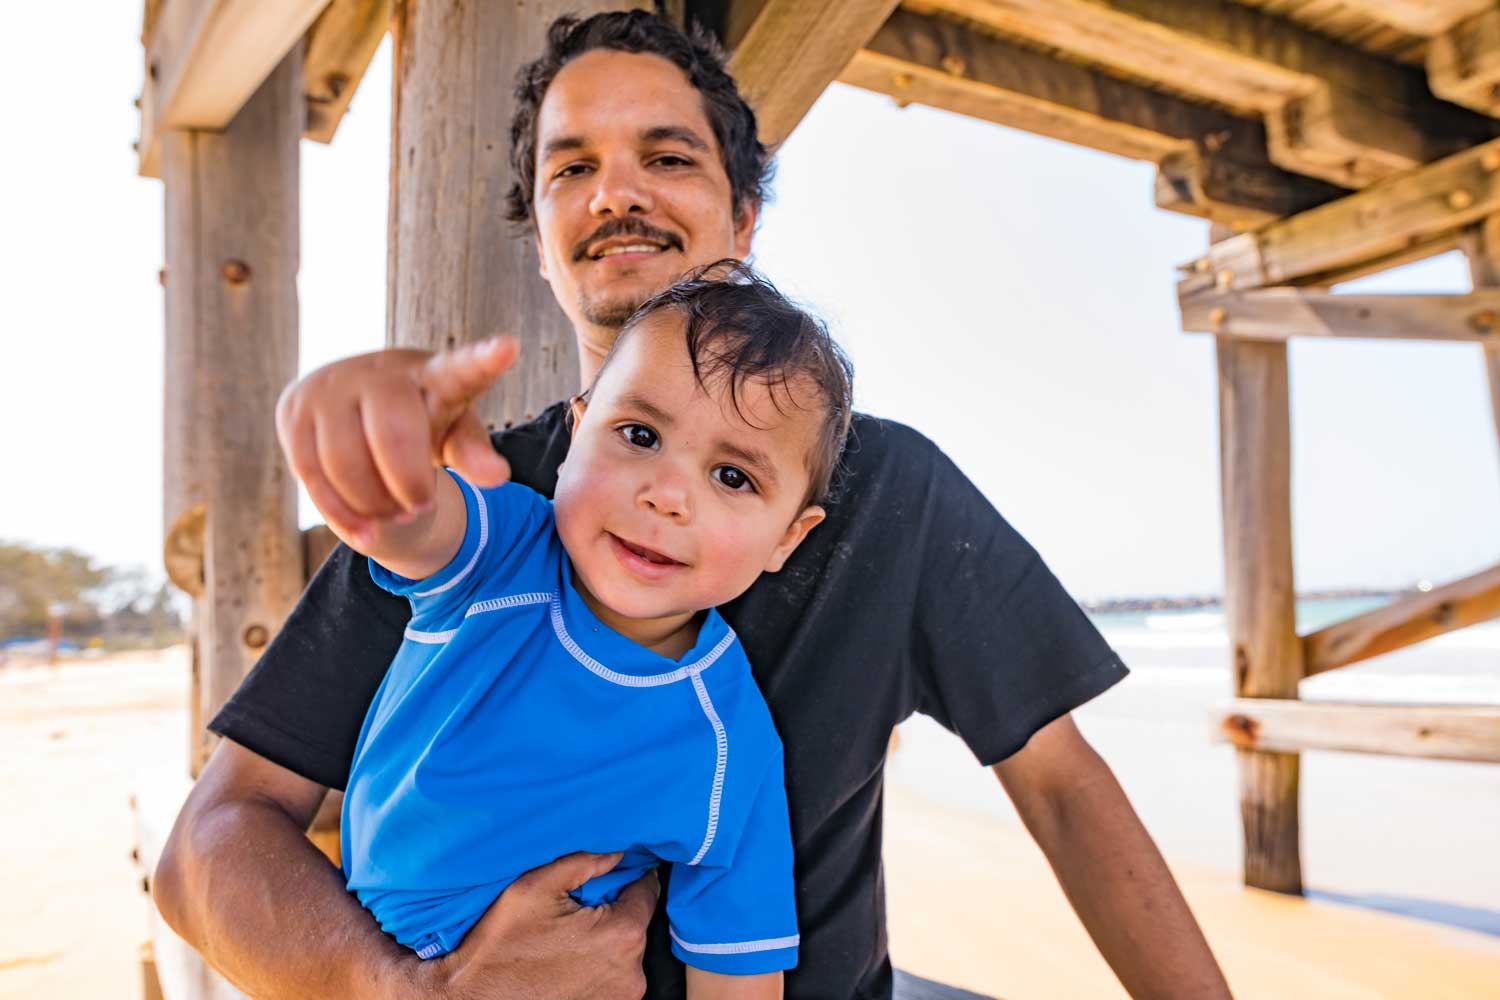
(1010, 297)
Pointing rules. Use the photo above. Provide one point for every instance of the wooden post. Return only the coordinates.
(231, 345)
(1481, 245)
(1259, 597)
(457, 271)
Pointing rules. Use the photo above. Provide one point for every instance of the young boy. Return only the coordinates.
(565, 683)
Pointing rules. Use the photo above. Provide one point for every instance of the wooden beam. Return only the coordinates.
(231, 202)
(340, 46)
(1331, 110)
(1281, 313)
(1481, 245)
(1419, 17)
(206, 57)
(1444, 732)
(1259, 594)
(1404, 622)
(1425, 206)
(785, 53)
(1212, 164)
(1463, 64)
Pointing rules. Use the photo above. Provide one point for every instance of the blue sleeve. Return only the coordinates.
(500, 519)
(740, 918)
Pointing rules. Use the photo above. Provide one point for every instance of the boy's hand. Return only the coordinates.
(536, 943)
(364, 434)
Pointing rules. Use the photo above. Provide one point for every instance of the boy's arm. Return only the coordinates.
(1109, 868)
(366, 434)
(702, 985)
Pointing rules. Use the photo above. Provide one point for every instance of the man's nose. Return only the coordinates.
(620, 191)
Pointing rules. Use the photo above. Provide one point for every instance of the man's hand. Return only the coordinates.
(536, 942)
(365, 434)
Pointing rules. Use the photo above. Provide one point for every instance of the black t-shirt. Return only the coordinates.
(914, 595)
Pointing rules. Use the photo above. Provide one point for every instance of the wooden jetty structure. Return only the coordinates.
(1323, 139)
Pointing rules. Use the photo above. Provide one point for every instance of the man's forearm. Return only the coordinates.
(241, 883)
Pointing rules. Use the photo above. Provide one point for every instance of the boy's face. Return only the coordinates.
(670, 501)
(630, 189)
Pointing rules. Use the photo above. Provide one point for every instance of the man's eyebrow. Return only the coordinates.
(562, 144)
(635, 401)
(679, 133)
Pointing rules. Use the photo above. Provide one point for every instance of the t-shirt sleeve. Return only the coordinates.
(740, 917)
(1000, 648)
(500, 520)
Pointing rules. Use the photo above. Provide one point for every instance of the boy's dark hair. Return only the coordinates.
(746, 161)
(740, 327)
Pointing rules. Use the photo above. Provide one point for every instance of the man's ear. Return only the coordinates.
(795, 532)
(541, 254)
(576, 407)
(744, 228)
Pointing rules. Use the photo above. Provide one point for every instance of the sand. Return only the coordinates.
(1418, 834)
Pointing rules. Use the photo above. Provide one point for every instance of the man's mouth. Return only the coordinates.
(627, 248)
(650, 555)
(624, 236)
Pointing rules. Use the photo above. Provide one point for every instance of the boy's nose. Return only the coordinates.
(668, 498)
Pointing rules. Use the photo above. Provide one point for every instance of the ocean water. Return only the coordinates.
(1461, 667)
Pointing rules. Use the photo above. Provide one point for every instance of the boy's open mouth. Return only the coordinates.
(650, 555)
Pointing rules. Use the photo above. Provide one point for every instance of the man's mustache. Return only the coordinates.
(626, 227)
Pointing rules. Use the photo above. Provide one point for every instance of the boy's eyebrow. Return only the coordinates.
(635, 401)
(681, 133)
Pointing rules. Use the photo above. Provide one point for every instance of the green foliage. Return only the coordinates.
(94, 600)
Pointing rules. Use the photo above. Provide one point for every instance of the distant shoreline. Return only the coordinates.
(1117, 605)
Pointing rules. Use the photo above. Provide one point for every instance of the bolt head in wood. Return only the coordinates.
(1202, 265)
(236, 272)
(1218, 315)
(1490, 160)
(953, 64)
(1459, 199)
(161, 276)
(1483, 322)
(1224, 278)
(903, 80)
(256, 636)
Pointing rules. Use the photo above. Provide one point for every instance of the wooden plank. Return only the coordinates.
(206, 57)
(1331, 110)
(1463, 64)
(461, 275)
(785, 53)
(1419, 17)
(1442, 732)
(1280, 313)
(232, 238)
(1213, 164)
(340, 46)
(1259, 592)
(1404, 622)
(1424, 206)
(1481, 244)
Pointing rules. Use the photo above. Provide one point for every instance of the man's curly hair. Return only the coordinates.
(746, 160)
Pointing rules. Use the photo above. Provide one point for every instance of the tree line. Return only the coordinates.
(110, 606)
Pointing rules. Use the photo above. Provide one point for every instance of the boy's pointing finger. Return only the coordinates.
(452, 378)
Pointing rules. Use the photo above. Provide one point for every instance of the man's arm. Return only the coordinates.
(1109, 867)
(240, 882)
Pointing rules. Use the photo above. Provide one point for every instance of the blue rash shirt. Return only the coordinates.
(514, 727)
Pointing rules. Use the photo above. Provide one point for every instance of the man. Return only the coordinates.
(635, 160)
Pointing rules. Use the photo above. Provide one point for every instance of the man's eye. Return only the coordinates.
(734, 479)
(572, 170)
(673, 161)
(639, 435)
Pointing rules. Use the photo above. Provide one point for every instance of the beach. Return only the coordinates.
(1399, 854)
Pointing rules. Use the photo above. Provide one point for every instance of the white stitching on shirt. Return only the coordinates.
(738, 947)
(721, 740)
(626, 680)
(484, 536)
(478, 608)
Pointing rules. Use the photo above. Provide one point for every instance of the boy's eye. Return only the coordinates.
(734, 479)
(639, 435)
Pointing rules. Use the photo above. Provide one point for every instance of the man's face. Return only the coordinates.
(631, 191)
(673, 498)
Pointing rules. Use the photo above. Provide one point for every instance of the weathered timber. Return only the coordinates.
(1213, 164)
(1419, 17)
(204, 59)
(785, 53)
(231, 320)
(457, 272)
(1404, 622)
(1331, 110)
(1463, 64)
(1281, 313)
(1446, 732)
(317, 542)
(1259, 595)
(340, 46)
(1481, 245)
(1426, 206)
